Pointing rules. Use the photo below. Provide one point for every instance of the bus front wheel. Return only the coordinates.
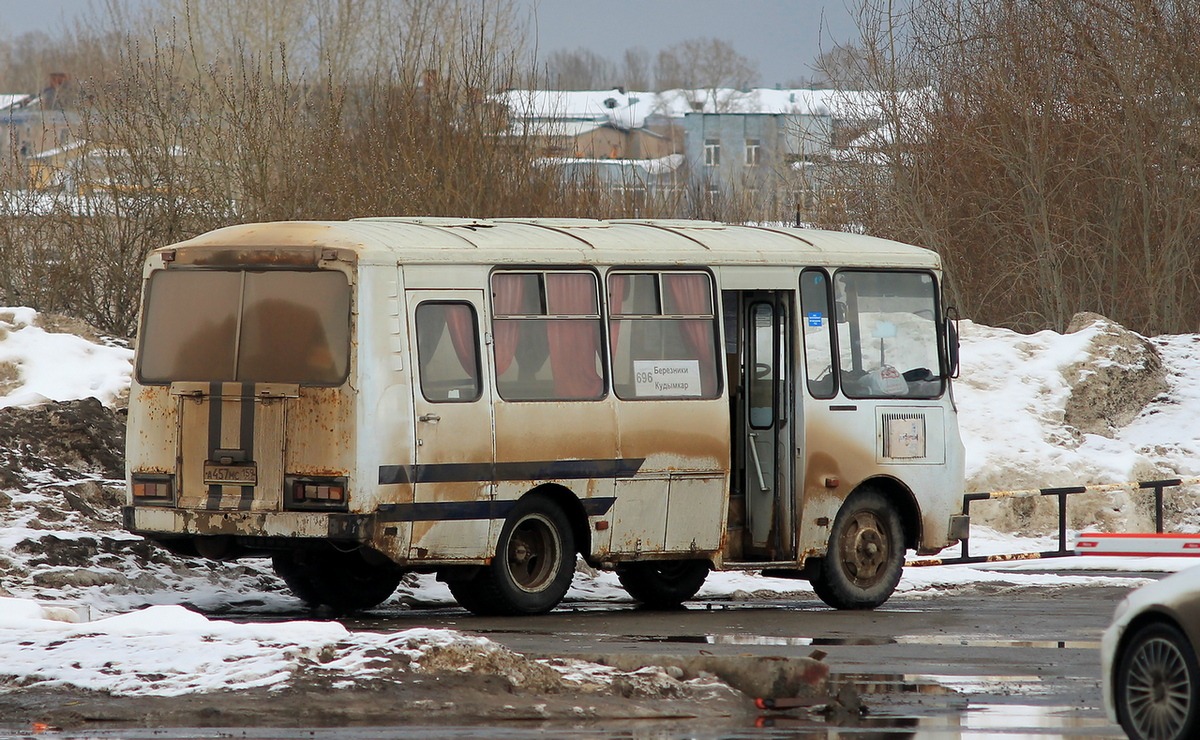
(865, 555)
(532, 568)
(663, 584)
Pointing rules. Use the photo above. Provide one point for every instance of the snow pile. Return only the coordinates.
(1014, 394)
(37, 365)
(170, 651)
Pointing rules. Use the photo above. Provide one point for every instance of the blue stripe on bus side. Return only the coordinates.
(510, 471)
(442, 511)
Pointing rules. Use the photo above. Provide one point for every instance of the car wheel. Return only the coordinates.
(1158, 684)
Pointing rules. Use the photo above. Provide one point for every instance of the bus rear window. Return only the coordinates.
(245, 327)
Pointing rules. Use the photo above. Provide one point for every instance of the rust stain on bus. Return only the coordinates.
(680, 439)
(239, 256)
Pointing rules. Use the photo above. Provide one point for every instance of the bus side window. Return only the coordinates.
(663, 335)
(546, 327)
(448, 352)
(818, 333)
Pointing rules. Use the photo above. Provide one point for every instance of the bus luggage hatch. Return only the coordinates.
(231, 441)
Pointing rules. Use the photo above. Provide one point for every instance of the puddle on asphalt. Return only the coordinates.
(972, 721)
(788, 641)
(975, 721)
(986, 720)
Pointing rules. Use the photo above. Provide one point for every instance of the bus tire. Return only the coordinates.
(533, 565)
(865, 554)
(663, 584)
(295, 578)
(344, 582)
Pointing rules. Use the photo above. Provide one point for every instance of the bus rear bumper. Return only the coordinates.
(157, 521)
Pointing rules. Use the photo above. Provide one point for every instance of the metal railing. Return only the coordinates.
(1157, 486)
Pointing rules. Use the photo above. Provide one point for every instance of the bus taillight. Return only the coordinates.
(153, 489)
(318, 493)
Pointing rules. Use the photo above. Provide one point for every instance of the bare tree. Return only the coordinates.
(1046, 148)
(581, 69)
(845, 66)
(180, 137)
(710, 68)
(635, 68)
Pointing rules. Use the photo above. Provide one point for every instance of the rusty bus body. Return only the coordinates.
(485, 399)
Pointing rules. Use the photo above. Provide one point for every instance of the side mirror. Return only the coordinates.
(952, 342)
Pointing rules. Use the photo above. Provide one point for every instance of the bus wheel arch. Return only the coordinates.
(905, 502)
(865, 553)
(572, 507)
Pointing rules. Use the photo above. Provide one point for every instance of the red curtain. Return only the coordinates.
(460, 320)
(574, 343)
(509, 294)
(691, 295)
(618, 285)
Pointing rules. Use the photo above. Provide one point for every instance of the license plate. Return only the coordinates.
(230, 475)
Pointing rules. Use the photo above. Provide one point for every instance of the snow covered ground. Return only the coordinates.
(80, 611)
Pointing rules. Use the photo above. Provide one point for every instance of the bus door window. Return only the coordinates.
(761, 396)
(448, 352)
(817, 322)
(888, 342)
(729, 325)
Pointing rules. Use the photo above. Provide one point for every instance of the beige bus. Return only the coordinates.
(489, 399)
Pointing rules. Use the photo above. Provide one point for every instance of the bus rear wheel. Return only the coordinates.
(663, 584)
(865, 556)
(532, 568)
(342, 581)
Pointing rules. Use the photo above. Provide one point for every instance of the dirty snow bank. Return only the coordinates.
(1013, 397)
(170, 651)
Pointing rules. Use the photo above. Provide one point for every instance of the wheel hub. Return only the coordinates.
(865, 548)
(1158, 694)
(532, 554)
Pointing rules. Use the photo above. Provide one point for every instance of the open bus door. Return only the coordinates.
(762, 428)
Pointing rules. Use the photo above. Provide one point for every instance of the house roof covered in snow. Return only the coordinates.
(14, 100)
(628, 110)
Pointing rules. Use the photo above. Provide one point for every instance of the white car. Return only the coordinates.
(1151, 679)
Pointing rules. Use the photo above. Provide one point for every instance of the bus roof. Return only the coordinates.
(429, 240)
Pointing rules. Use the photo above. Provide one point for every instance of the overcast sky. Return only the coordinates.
(783, 37)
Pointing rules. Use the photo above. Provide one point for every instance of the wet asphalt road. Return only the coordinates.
(1004, 660)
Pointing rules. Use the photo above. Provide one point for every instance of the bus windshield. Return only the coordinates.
(888, 334)
(245, 327)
